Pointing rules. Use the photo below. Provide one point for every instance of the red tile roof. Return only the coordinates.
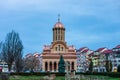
(118, 46)
(107, 51)
(100, 49)
(91, 53)
(82, 48)
(0, 67)
(86, 50)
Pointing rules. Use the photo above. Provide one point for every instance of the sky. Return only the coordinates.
(89, 23)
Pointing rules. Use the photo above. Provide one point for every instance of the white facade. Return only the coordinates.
(82, 61)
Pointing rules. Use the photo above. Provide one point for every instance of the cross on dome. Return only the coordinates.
(58, 17)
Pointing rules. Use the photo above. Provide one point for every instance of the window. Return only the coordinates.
(59, 37)
(62, 48)
(56, 48)
(59, 47)
(58, 31)
(56, 37)
(118, 60)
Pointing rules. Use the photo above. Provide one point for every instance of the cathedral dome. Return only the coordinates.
(58, 25)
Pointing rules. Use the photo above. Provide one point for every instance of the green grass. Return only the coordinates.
(39, 77)
(114, 78)
(32, 78)
(24, 77)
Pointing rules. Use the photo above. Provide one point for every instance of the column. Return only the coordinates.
(52, 66)
(75, 65)
(43, 66)
(53, 34)
(70, 65)
(48, 66)
(60, 34)
(57, 66)
(63, 35)
(57, 34)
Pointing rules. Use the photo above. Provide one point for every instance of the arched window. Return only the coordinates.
(72, 65)
(50, 66)
(61, 48)
(68, 66)
(56, 48)
(59, 37)
(56, 37)
(55, 65)
(58, 31)
(46, 66)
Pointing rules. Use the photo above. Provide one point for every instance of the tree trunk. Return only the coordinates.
(9, 67)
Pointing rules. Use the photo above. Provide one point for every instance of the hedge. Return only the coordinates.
(38, 73)
(111, 74)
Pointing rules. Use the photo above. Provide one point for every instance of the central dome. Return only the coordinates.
(58, 25)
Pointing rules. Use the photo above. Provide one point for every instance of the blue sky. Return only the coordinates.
(91, 23)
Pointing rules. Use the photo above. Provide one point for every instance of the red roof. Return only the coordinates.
(84, 51)
(118, 46)
(92, 53)
(107, 51)
(0, 67)
(82, 48)
(100, 49)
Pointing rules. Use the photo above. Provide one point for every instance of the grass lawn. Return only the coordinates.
(24, 77)
(32, 78)
(115, 79)
(39, 77)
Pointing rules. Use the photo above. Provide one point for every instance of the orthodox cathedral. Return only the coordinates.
(51, 53)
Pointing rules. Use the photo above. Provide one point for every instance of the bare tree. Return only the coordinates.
(19, 63)
(12, 50)
(32, 63)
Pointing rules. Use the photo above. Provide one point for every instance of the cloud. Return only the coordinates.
(87, 22)
(88, 39)
(108, 10)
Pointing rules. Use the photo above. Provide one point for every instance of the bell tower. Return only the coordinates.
(58, 31)
(59, 44)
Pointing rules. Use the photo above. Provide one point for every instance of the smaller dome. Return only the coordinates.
(58, 25)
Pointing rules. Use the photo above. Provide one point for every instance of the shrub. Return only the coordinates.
(91, 66)
(4, 77)
(118, 68)
(108, 66)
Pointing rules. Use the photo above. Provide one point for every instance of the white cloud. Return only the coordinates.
(87, 38)
(106, 9)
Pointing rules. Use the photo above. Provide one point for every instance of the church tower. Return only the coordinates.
(58, 32)
(59, 44)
